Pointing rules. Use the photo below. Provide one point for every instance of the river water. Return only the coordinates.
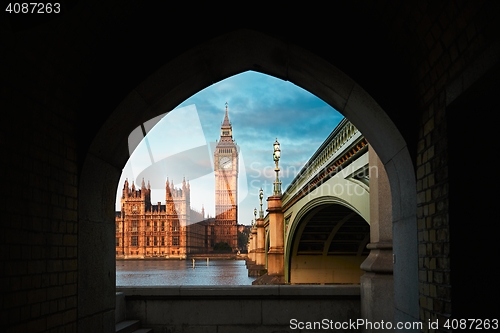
(181, 272)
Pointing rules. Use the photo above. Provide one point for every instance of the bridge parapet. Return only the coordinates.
(344, 141)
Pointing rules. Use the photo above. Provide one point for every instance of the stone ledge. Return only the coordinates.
(241, 292)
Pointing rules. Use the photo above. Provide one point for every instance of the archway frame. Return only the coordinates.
(193, 71)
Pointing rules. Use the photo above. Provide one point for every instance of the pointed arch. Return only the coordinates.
(197, 69)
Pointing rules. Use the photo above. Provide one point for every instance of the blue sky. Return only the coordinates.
(261, 109)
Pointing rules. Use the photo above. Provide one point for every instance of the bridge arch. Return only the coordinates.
(325, 262)
(196, 69)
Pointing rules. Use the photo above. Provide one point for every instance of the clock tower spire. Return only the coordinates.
(226, 129)
(226, 186)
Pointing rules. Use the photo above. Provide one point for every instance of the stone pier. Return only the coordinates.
(275, 255)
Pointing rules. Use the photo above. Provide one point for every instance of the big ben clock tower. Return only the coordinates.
(226, 186)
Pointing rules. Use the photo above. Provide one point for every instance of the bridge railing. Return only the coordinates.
(340, 140)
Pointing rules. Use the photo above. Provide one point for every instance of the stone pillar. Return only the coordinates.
(250, 248)
(254, 243)
(260, 255)
(254, 268)
(275, 255)
(377, 287)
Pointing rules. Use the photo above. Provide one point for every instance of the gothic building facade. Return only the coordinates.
(170, 230)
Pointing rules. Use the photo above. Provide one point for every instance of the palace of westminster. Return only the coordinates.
(173, 229)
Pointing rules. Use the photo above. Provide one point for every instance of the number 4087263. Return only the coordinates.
(33, 8)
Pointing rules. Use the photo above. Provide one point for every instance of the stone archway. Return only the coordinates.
(195, 70)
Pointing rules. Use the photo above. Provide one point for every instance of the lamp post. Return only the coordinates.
(255, 213)
(276, 158)
(261, 195)
(275, 255)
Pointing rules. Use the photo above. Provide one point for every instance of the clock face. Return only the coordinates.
(225, 162)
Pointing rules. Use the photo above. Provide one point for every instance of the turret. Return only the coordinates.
(144, 193)
(168, 191)
(125, 189)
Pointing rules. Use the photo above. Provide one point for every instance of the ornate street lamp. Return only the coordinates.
(276, 158)
(261, 195)
(255, 213)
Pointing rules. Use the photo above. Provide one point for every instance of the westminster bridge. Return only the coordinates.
(325, 213)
